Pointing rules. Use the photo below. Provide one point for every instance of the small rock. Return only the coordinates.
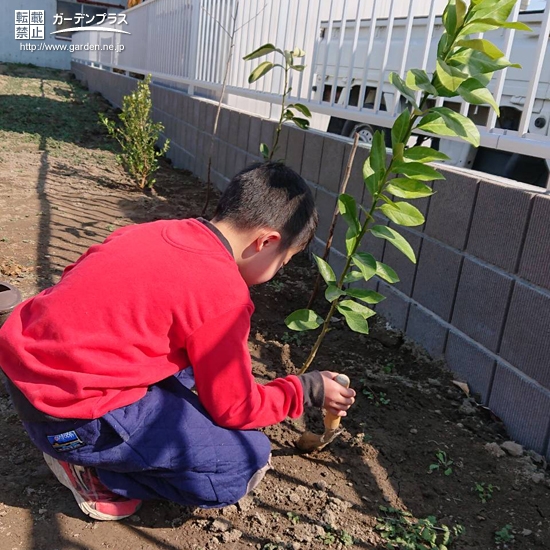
(295, 545)
(537, 478)
(135, 519)
(231, 536)
(259, 518)
(494, 449)
(539, 460)
(366, 499)
(42, 510)
(329, 517)
(512, 448)
(294, 498)
(467, 407)
(413, 431)
(434, 382)
(321, 485)
(526, 532)
(229, 510)
(460, 425)
(220, 525)
(245, 503)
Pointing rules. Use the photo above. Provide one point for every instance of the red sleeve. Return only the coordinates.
(218, 352)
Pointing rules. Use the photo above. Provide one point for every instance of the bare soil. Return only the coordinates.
(61, 191)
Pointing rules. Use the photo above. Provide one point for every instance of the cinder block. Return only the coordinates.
(223, 130)
(330, 174)
(526, 340)
(192, 136)
(254, 135)
(374, 245)
(171, 103)
(523, 406)
(211, 110)
(313, 151)
(395, 308)
(295, 149)
(202, 116)
(240, 161)
(243, 131)
(471, 363)
(185, 103)
(233, 137)
(180, 113)
(325, 203)
(398, 261)
(499, 222)
(426, 330)
(251, 159)
(535, 259)
(195, 112)
(481, 302)
(220, 158)
(436, 278)
(230, 162)
(267, 132)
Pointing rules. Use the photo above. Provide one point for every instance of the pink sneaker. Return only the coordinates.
(93, 498)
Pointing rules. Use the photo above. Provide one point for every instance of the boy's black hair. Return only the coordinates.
(270, 195)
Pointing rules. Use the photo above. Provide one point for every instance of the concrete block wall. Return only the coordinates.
(479, 295)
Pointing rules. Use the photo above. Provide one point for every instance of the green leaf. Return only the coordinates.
(262, 50)
(482, 45)
(417, 171)
(477, 63)
(260, 71)
(302, 123)
(450, 76)
(303, 319)
(408, 189)
(449, 17)
(298, 52)
(350, 305)
(396, 239)
(302, 108)
(333, 292)
(402, 213)
(406, 92)
(475, 92)
(387, 273)
(355, 321)
(264, 150)
(517, 25)
(351, 240)
(367, 296)
(461, 10)
(423, 154)
(378, 153)
(366, 264)
(445, 122)
(348, 209)
(499, 11)
(326, 271)
(417, 79)
(370, 178)
(491, 24)
(298, 68)
(353, 277)
(400, 128)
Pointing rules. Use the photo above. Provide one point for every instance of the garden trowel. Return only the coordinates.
(309, 441)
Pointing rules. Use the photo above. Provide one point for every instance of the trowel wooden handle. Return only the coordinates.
(331, 420)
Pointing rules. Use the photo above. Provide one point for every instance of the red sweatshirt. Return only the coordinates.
(148, 302)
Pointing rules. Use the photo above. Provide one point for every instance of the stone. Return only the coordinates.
(537, 478)
(512, 448)
(321, 485)
(494, 449)
(220, 525)
(467, 407)
(294, 498)
(413, 431)
(245, 503)
(231, 536)
(229, 510)
(329, 517)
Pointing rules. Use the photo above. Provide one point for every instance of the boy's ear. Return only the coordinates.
(267, 238)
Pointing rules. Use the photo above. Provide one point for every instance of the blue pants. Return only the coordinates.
(163, 446)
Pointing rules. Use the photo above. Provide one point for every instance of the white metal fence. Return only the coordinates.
(351, 47)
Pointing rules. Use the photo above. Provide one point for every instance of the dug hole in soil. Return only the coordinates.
(58, 196)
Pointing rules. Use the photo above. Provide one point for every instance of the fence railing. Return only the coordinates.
(351, 47)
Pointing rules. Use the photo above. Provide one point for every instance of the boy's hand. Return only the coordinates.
(337, 398)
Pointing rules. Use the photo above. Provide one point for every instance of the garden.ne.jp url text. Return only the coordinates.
(30, 47)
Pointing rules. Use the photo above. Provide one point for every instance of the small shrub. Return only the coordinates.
(137, 135)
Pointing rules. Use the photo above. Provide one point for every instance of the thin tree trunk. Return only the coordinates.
(343, 187)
